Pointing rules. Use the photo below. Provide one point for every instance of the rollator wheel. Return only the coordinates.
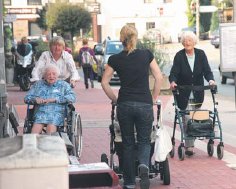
(172, 152)
(77, 138)
(104, 158)
(181, 153)
(165, 172)
(210, 148)
(220, 151)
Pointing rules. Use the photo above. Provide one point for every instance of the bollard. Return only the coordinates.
(33, 161)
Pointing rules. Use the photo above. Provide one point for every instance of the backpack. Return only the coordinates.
(87, 58)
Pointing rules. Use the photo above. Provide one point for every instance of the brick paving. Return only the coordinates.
(197, 172)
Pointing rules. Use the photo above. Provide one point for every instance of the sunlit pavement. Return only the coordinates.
(197, 172)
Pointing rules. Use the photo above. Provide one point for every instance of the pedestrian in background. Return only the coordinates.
(134, 103)
(190, 67)
(59, 57)
(86, 59)
(50, 97)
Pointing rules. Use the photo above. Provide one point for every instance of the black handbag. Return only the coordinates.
(200, 128)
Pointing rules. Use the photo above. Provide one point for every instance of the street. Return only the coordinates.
(199, 171)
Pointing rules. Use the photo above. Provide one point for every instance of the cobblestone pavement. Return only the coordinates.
(197, 172)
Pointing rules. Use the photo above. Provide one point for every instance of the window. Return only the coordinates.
(150, 25)
(34, 2)
(7, 2)
(148, 1)
(167, 1)
(131, 24)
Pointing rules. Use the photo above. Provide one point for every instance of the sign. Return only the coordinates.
(207, 8)
(22, 10)
(10, 18)
(227, 47)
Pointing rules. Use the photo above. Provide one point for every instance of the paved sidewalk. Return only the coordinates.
(197, 172)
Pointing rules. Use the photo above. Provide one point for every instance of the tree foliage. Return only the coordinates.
(71, 19)
(41, 21)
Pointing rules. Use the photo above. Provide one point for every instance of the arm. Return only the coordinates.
(174, 73)
(68, 96)
(208, 75)
(31, 96)
(39, 65)
(72, 69)
(156, 72)
(105, 83)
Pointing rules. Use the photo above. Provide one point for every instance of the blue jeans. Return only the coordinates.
(140, 116)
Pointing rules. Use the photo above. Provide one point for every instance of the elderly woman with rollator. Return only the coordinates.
(190, 67)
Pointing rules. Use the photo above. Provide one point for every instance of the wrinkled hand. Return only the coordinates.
(45, 101)
(212, 82)
(73, 83)
(173, 85)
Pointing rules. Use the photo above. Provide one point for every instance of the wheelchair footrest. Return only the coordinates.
(66, 139)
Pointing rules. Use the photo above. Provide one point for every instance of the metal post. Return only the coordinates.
(3, 93)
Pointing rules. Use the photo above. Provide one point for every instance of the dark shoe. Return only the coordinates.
(144, 176)
(189, 152)
(92, 85)
(129, 187)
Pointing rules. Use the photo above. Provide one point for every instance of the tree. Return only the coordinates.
(41, 21)
(77, 17)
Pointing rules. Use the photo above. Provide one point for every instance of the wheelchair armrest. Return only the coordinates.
(71, 107)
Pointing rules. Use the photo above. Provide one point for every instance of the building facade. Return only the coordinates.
(168, 15)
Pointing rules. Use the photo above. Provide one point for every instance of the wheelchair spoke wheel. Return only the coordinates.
(77, 137)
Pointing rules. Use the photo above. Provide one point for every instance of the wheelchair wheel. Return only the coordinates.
(77, 136)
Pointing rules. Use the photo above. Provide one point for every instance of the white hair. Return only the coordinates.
(189, 34)
(50, 67)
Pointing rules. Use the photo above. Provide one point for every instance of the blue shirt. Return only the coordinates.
(50, 113)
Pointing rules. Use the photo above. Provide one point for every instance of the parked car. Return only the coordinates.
(215, 38)
(110, 47)
(158, 35)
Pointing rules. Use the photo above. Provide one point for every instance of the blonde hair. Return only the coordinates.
(57, 40)
(128, 37)
(189, 34)
(24, 40)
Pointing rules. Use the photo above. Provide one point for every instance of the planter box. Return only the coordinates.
(165, 87)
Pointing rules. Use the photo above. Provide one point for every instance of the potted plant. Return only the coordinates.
(9, 57)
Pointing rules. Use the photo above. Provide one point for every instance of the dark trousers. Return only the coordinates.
(140, 116)
(88, 73)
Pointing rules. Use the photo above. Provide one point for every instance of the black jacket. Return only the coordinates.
(182, 74)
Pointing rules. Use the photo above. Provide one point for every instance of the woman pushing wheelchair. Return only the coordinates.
(49, 95)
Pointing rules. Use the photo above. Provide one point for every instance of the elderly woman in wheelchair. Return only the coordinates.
(49, 97)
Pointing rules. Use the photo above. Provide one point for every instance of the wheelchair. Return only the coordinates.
(71, 130)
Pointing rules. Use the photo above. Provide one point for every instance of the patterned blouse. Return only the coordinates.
(50, 113)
